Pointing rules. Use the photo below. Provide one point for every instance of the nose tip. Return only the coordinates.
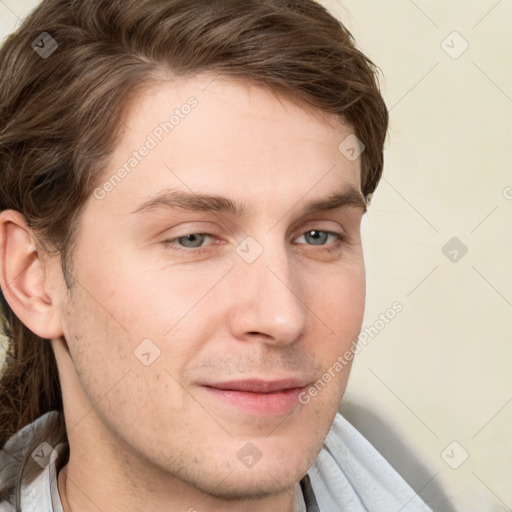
(269, 304)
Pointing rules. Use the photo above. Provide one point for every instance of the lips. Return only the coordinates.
(259, 386)
(257, 396)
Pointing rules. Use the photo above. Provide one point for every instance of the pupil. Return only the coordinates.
(194, 239)
(317, 236)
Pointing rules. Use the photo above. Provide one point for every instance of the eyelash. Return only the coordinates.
(328, 248)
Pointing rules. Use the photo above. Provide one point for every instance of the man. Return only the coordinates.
(182, 186)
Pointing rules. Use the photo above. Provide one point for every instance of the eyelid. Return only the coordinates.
(327, 225)
(341, 236)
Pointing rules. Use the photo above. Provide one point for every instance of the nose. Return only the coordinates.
(268, 302)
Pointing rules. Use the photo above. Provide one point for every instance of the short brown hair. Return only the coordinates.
(60, 116)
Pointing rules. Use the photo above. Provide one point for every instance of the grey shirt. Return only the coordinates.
(349, 475)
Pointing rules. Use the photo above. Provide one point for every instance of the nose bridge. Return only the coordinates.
(269, 300)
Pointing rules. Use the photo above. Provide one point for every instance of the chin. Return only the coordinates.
(251, 484)
(276, 472)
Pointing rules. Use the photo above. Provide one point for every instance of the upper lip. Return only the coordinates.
(259, 385)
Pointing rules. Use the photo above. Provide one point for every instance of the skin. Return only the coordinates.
(151, 437)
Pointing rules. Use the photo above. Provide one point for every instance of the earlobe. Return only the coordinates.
(22, 277)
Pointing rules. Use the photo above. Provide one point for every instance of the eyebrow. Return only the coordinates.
(191, 201)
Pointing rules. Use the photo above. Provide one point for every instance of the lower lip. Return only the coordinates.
(261, 404)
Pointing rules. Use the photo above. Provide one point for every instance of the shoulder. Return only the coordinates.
(349, 471)
(24, 452)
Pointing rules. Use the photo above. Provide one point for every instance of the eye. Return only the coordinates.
(189, 242)
(320, 237)
(194, 243)
(193, 240)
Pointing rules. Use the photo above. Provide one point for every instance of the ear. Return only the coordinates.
(22, 277)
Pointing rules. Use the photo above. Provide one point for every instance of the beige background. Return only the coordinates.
(440, 371)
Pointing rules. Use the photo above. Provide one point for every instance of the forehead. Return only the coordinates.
(218, 135)
(234, 97)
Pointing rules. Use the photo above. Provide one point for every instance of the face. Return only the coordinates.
(212, 285)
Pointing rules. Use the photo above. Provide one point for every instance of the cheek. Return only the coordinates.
(148, 299)
(340, 309)
(340, 302)
(120, 380)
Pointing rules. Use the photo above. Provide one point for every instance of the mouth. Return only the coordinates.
(257, 396)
